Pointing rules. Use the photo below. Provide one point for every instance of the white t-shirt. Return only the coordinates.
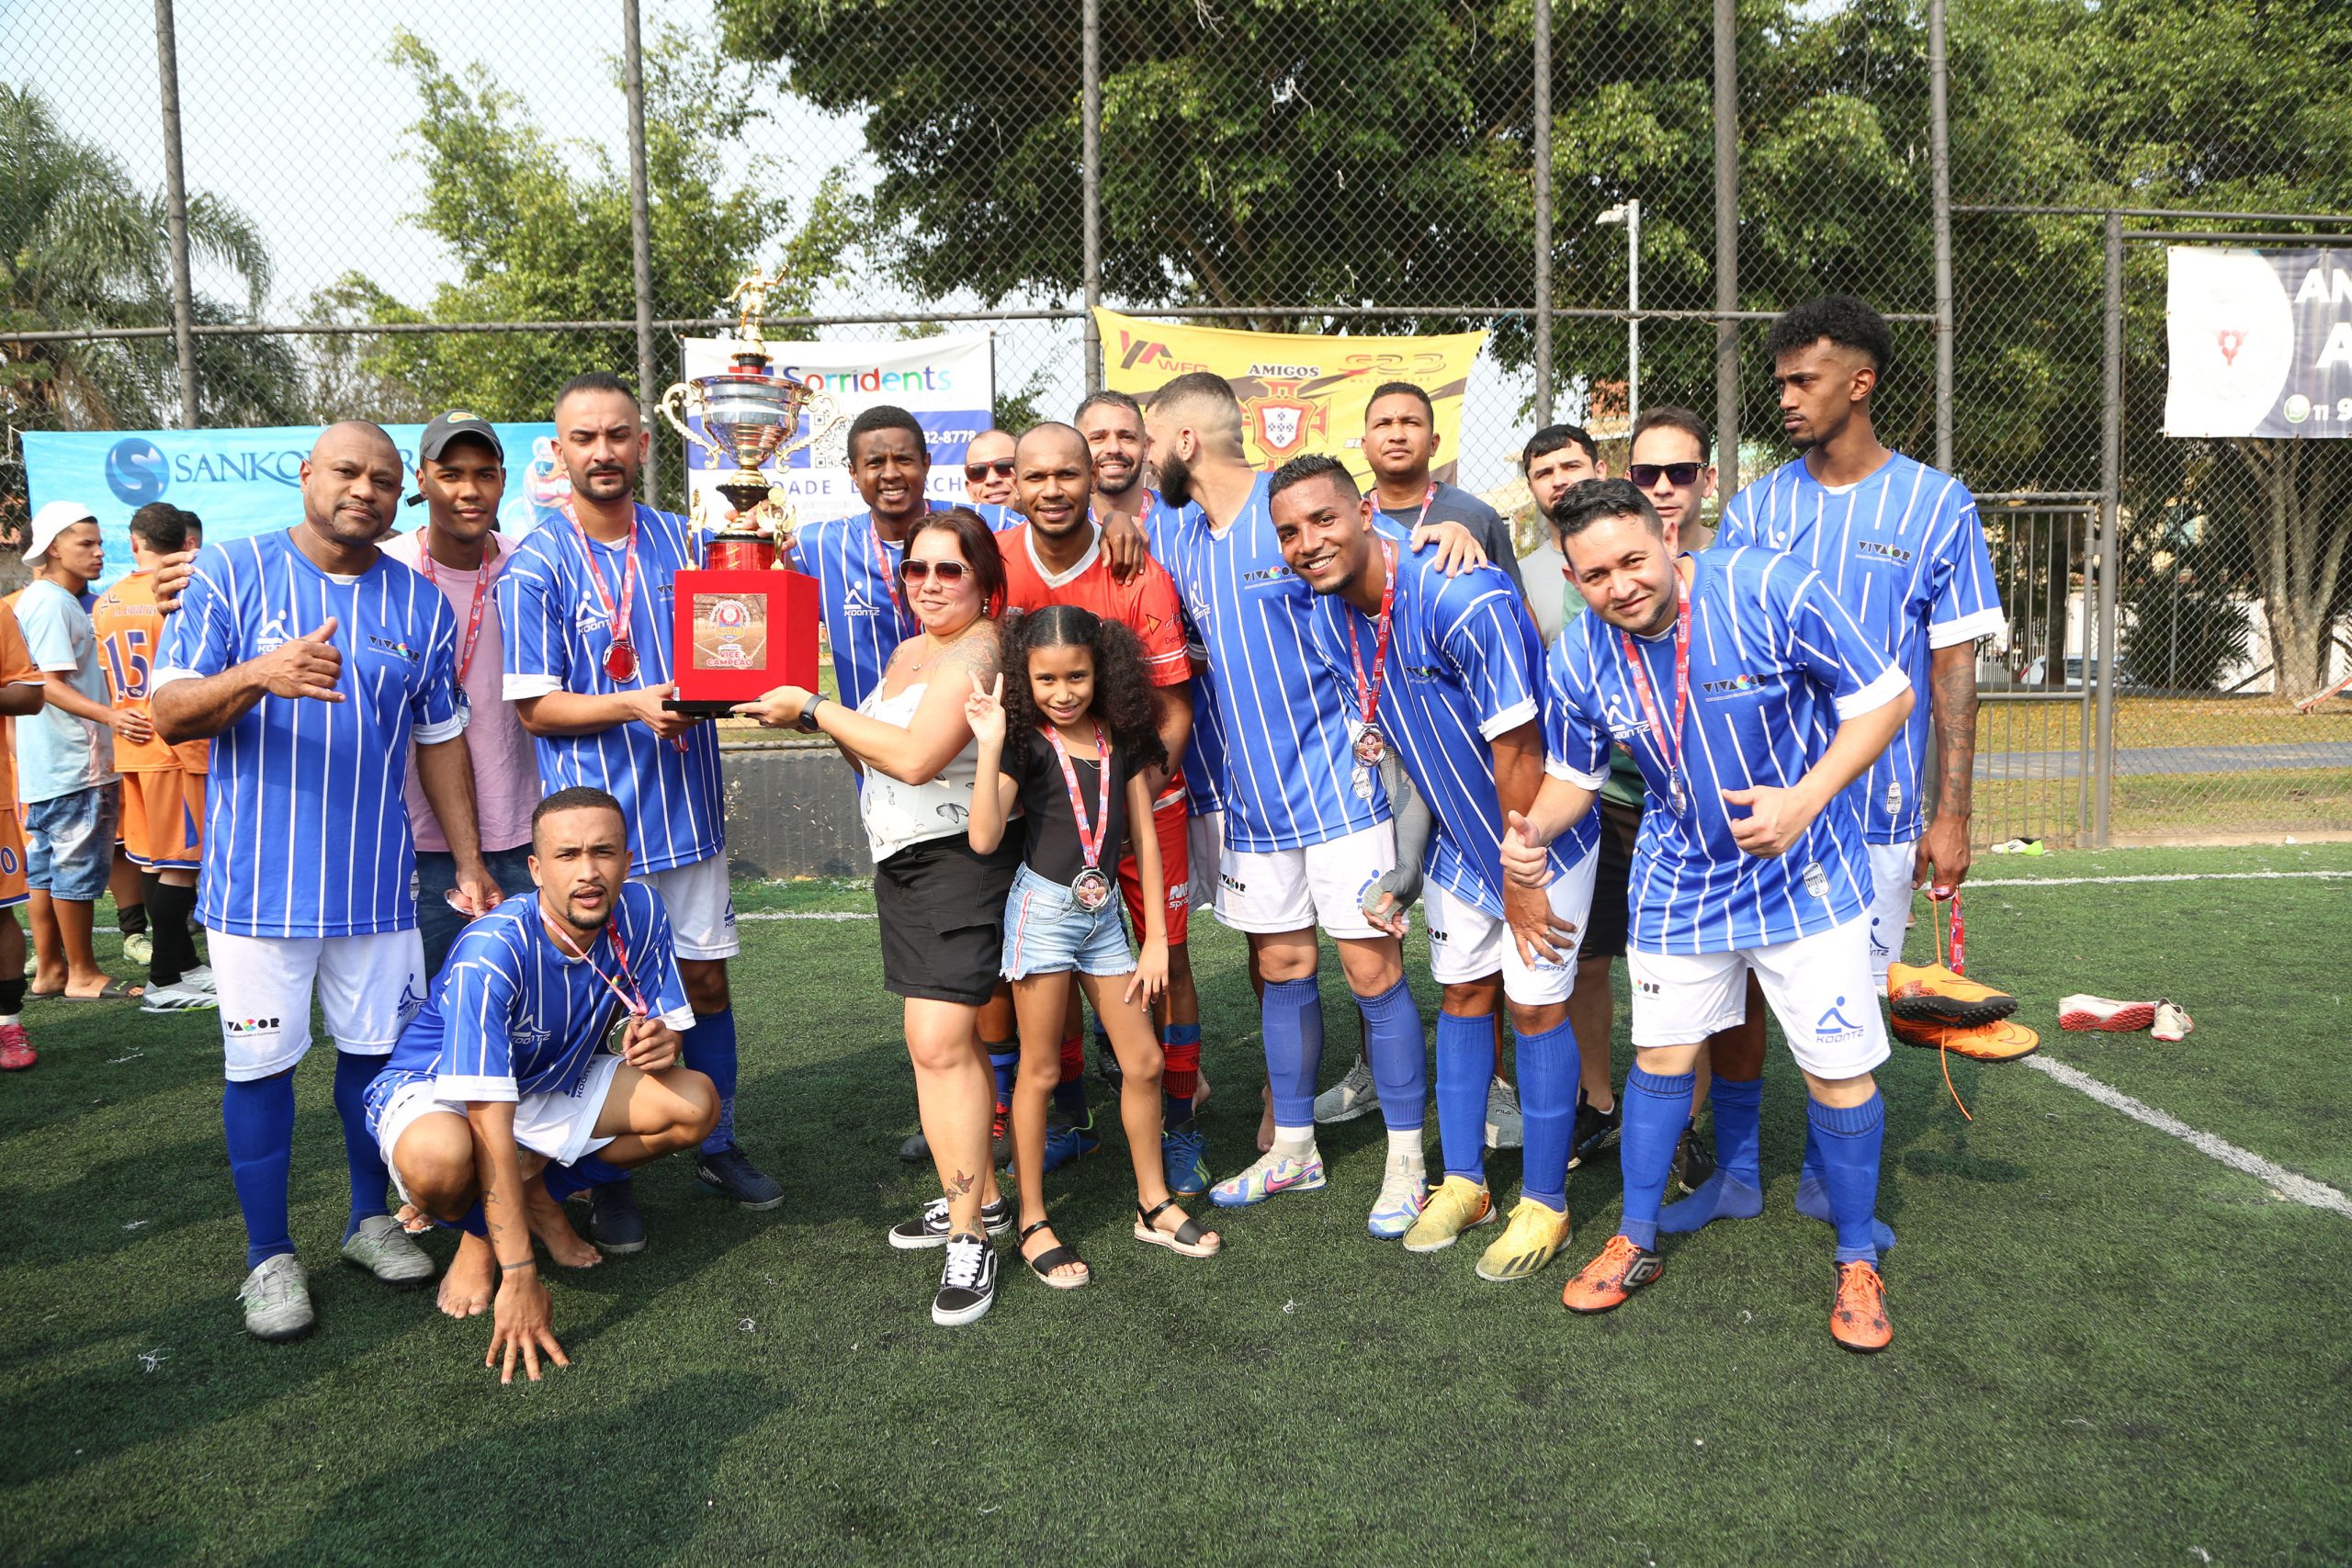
(58, 754)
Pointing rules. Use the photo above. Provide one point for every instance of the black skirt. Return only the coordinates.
(941, 906)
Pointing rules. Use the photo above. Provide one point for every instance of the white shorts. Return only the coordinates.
(1467, 944)
(1819, 987)
(1890, 867)
(560, 1126)
(368, 986)
(1319, 885)
(702, 910)
(1204, 844)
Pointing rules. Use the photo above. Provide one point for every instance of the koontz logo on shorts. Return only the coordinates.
(241, 1027)
(1834, 1025)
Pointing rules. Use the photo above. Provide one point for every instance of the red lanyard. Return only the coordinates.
(1368, 692)
(631, 999)
(1427, 501)
(1670, 743)
(1090, 835)
(1959, 936)
(488, 570)
(615, 614)
(882, 565)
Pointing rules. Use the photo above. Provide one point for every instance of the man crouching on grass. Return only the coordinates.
(501, 1100)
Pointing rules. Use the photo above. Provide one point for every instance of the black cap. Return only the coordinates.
(448, 427)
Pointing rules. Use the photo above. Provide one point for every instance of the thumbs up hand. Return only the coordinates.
(307, 667)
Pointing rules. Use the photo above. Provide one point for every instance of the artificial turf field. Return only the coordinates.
(2109, 1348)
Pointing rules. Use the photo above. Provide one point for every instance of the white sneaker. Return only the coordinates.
(277, 1298)
(385, 1250)
(181, 997)
(2171, 1022)
(1350, 1096)
(1504, 1129)
(138, 947)
(198, 978)
(1403, 1192)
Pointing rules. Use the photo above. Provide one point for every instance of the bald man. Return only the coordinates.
(987, 469)
(311, 661)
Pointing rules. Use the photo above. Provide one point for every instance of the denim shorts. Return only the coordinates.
(1046, 933)
(69, 843)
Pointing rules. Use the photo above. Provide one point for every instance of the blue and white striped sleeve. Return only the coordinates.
(479, 994)
(1736, 526)
(1575, 743)
(1829, 645)
(535, 626)
(437, 709)
(1967, 604)
(1493, 642)
(200, 636)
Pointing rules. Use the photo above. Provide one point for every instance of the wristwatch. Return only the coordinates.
(807, 722)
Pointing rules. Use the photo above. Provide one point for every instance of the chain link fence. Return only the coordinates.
(435, 207)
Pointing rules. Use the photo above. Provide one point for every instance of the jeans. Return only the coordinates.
(437, 876)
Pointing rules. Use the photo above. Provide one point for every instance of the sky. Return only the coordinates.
(291, 113)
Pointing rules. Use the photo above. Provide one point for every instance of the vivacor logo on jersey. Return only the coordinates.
(1740, 685)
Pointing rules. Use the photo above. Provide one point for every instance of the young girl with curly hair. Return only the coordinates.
(1069, 737)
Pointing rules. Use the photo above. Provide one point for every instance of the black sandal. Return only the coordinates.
(1187, 1239)
(1053, 1258)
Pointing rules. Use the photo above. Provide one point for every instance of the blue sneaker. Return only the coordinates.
(1187, 1176)
(1271, 1174)
(1064, 1144)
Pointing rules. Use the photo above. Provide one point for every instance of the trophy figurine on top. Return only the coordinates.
(743, 626)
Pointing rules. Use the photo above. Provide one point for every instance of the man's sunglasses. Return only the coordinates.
(1001, 467)
(947, 570)
(1644, 475)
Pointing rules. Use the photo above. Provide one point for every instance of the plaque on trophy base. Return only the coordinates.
(739, 634)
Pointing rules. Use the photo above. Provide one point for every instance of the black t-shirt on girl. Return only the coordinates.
(1052, 848)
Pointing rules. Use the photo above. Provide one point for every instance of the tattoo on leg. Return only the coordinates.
(961, 1183)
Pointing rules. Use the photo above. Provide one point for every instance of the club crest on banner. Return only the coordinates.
(1284, 421)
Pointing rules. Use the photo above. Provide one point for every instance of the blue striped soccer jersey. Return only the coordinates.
(1287, 761)
(1776, 664)
(1204, 753)
(1465, 665)
(1904, 552)
(559, 638)
(306, 831)
(512, 1014)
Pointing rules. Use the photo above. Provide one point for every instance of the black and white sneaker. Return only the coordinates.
(1693, 1163)
(967, 1286)
(930, 1227)
(1595, 1130)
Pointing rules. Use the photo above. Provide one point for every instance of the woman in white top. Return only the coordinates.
(941, 903)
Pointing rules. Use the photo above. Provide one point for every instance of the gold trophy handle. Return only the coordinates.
(824, 415)
(672, 407)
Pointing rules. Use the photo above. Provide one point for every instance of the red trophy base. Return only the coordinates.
(739, 634)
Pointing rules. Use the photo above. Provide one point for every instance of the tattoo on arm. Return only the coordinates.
(1952, 681)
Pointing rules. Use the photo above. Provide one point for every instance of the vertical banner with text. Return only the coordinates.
(1298, 393)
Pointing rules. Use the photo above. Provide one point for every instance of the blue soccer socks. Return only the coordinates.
(1851, 1138)
(709, 1049)
(1466, 1055)
(1394, 1041)
(1549, 1065)
(1290, 1016)
(1656, 1109)
(258, 1118)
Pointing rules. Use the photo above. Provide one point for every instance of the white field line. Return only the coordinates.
(1976, 882)
(2278, 1179)
(806, 914)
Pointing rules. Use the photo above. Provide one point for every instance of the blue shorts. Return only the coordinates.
(1046, 933)
(69, 843)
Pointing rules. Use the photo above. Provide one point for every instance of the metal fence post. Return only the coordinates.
(1726, 246)
(1090, 116)
(2111, 486)
(1543, 212)
(641, 237)
(1939, 174)
(167, 67)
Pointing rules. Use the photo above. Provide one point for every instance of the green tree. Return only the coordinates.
(81, 244)
(541, 231)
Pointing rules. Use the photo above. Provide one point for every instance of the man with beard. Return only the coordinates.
(1057, 559)
(311, 661)
(585, 605)
(502, 1078)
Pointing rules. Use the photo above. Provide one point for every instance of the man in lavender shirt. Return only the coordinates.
(461, 475)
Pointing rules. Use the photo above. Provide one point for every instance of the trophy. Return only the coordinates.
(749, 413)
(740, 626)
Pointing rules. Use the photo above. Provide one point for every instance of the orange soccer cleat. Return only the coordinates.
(1858, 1316)
(2006, 1040)
(1931, 993)
(1622, 1269)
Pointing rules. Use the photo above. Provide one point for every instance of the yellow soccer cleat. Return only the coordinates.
(1531, 1240)
(1456, 1205)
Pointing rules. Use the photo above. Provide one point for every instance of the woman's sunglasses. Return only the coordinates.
(947, 570)
(1001, 467)
(1644, 475)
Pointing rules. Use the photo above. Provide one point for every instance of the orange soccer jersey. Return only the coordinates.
(1146, 604)
(16, 668)
(130, 630)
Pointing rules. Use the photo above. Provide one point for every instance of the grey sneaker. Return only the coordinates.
(198, 979)
(385, 1250)
(181, 997)
(277, 1298)
(1504, 1129)
(1350, 1096)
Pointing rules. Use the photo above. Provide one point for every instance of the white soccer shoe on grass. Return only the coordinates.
(1403, 1192)
(382, 1247)
(277, 1298)
(1272, 1173)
